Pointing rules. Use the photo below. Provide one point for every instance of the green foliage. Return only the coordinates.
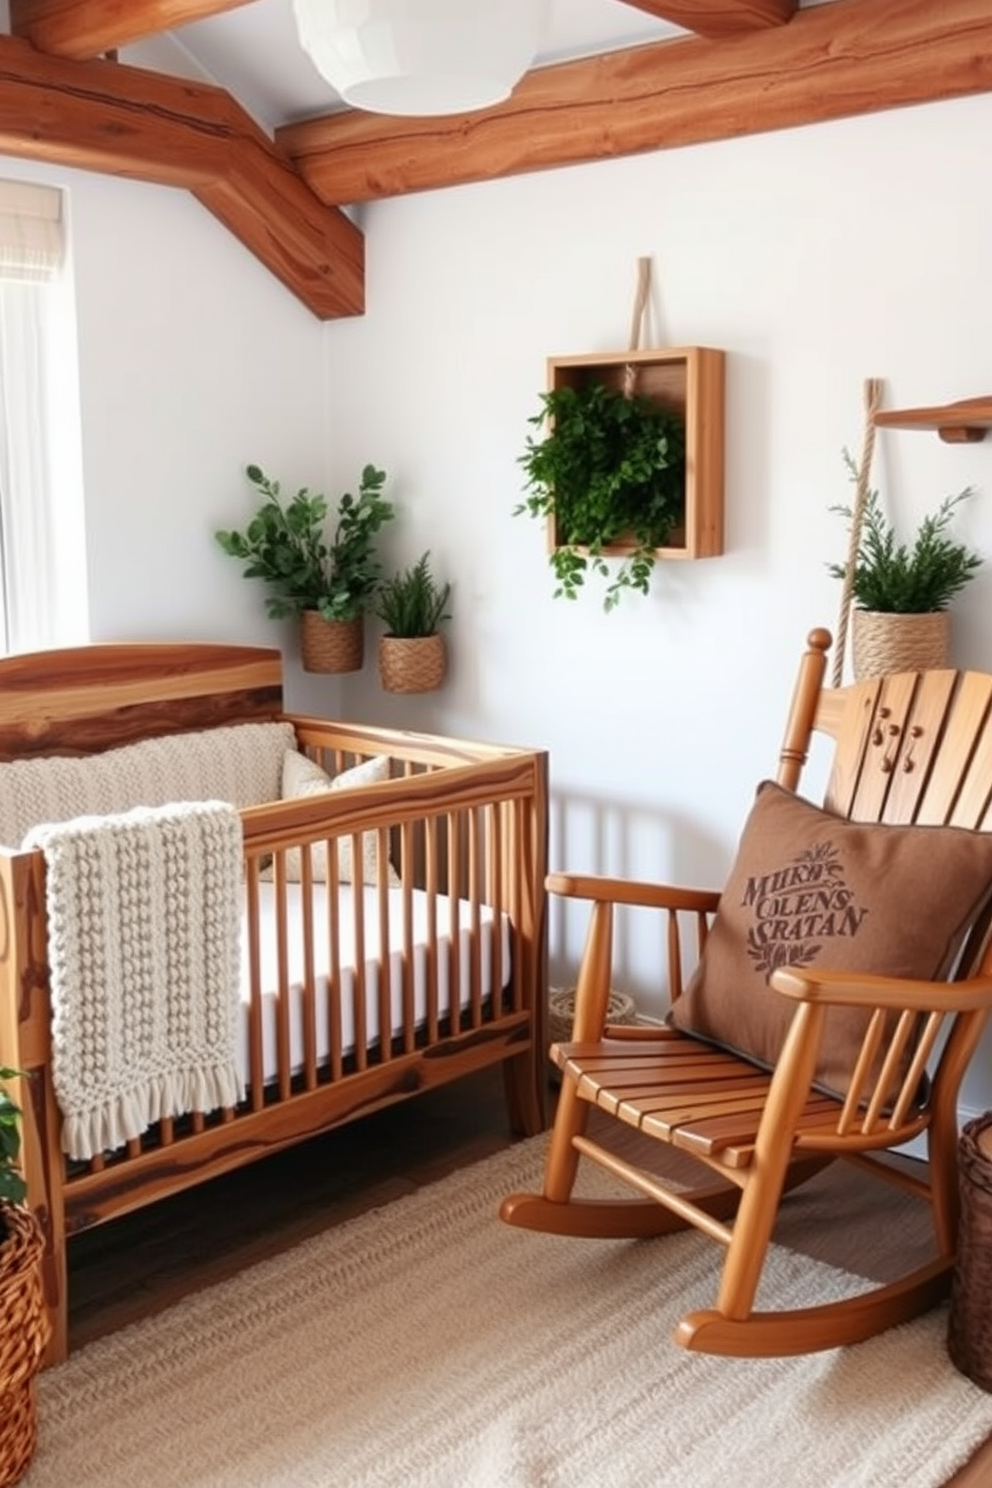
(896, 579)
(12, 1185)
(412, 602)
(610, 469)
(286, 546)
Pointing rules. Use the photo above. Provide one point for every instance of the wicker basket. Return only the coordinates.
(561, 1011)
(331, 645)
(885, 643)
(24, 1330)
(969, 1328)
(412, 663)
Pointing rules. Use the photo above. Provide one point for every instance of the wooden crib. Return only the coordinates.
(451, 975)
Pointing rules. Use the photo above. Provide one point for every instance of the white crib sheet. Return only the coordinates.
(295, 965)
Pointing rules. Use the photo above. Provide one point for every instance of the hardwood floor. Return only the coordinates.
(135, 1266)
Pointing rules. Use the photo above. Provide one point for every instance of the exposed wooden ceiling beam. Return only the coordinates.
(717, 18)
(130, 122)
(88, 28)
(831, 61)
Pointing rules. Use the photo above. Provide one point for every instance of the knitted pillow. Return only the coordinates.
(302, 776)
(237, 763)
(811, 889)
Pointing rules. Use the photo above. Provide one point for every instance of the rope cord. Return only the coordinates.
(872, 395)
(636, 323)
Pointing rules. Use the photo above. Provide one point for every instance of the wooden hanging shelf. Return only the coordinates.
(964, 422)
(689, 380)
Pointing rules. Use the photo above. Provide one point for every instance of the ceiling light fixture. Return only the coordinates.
(421, 57)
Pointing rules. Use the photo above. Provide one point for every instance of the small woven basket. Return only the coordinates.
(883, 643)
(620, 1008)
(331, 645)
(412, 663)
(969, 1328)
(24, 1330)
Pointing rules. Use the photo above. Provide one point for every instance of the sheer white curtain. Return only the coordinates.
(42, 552)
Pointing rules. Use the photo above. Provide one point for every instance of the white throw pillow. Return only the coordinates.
(302, 776)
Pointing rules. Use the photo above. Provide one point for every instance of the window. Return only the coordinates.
(42, 537)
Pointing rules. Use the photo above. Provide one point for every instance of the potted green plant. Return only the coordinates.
(608, 475)
(327, 581)
(24, 1325)
(412, 604)
(902, 592)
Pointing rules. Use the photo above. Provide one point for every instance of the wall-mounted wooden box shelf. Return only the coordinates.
(690, 380)
(964, 422)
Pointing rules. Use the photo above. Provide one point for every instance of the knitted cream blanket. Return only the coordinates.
(144, 945)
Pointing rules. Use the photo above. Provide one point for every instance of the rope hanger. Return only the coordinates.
(637, 323)
(872, 396)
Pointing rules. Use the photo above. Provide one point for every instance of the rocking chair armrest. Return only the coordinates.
(631, 891)
(850, 989)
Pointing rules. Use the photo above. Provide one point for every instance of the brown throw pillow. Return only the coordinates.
(811, 889)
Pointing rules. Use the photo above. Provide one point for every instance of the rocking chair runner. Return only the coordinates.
(844, 978)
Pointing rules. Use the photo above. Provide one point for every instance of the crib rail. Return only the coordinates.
(448, 972)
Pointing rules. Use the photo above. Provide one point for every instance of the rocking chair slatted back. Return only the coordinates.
(890, 765)
(909, 750)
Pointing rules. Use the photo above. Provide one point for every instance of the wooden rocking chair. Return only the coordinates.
(842, 983)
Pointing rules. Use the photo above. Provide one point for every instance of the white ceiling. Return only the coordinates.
(253, 52)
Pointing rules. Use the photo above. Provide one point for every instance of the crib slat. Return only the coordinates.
(256, 1080)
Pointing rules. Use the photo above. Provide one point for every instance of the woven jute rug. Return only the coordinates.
(427, 1345)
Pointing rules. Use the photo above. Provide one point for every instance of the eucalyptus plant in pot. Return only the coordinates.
(326, 580)
(412, 604)
(902, 592)
(608, 476)
(24, 1327)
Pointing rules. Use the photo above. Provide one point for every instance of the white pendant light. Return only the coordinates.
(421, 56)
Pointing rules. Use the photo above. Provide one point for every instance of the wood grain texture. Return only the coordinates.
(690, 380)
(467, 824)
(965, 422)
(715, 18)
(81, 699)
(86, 28)
(832, 61)
(128, 121)
(908, 748)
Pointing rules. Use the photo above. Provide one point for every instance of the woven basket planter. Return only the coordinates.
(412, 663)
(620, 1008)
(885, 643)
(331, 645)
(24, 1331)
(969, 1328)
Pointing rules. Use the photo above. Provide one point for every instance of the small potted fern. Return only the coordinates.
(902, 593)
(24, 1327)
(412, 604)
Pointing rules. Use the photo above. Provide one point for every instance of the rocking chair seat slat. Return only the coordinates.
(717, 1113)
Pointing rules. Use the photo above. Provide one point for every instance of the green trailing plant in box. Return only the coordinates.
(607, 473)
(287, 545)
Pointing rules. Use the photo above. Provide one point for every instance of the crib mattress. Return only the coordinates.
(442, 962)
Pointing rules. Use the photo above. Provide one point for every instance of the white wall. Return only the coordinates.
(815, 257)
(193, 362)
